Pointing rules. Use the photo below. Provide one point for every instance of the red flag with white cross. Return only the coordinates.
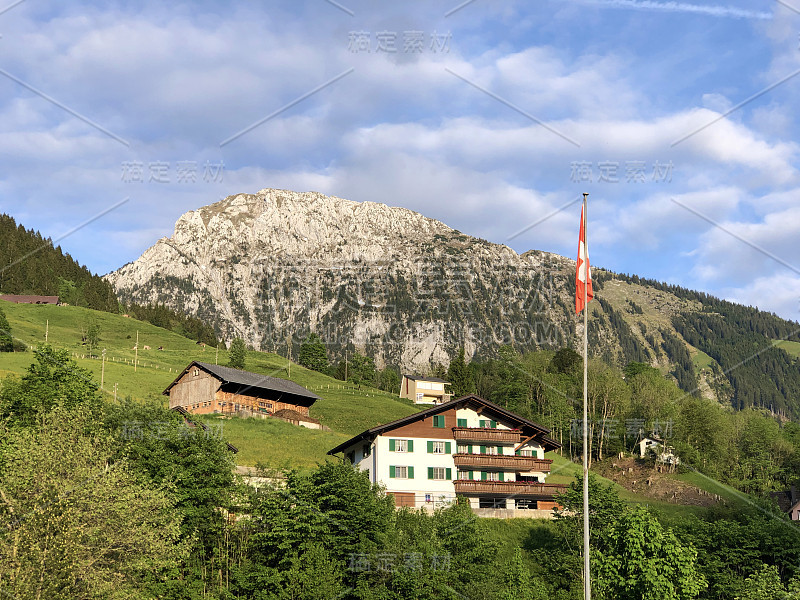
(583, 274)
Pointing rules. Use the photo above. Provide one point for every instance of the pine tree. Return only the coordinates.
(460, 376)
(237, 354)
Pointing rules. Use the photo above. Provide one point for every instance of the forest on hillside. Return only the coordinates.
(31, 264)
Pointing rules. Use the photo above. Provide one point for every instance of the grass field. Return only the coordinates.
(342, 407)
(701, 360)
(792, 348)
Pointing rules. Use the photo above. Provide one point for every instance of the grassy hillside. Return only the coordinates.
(346, 410)
(343, 408)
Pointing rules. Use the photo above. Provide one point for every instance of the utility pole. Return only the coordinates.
(289, 355)
(216, 356)
(136, 352)
(345, 366)
(103, 370)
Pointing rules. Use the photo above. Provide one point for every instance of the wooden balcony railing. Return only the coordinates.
(484, 434)
(520, 489)
(506, 463)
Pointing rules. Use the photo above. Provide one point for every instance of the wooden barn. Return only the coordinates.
(203, 388)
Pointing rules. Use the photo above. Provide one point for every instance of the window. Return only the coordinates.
(438, 421)
(401, 445)
(491, 476)
(526, 452)
(462, 422)
(438, 447)
(463, 449)
(489, 450)
(351, 456)
(401, 472)
(465, 474)
(195, 372)
(365, 450)
(492, 502)
(439, 473)
(488, 424)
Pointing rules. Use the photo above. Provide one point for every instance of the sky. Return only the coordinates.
(677, 118)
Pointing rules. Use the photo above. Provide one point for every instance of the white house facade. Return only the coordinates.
(468, 447)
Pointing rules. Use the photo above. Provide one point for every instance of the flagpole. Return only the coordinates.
(587, 587)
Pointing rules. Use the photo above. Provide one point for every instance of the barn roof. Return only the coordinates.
(247, 379)
(27, 299)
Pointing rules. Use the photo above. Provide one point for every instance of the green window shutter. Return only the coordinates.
(517, 453)
(410, 445)
(483, 475)
(501, 476)
(391, 471)
(462, 422)
(482, 423)
(483, 449)
(430, 472)
(500, 451)
(493, 424)
(411, 472)
(470, 448)
(391, 447)
(430, 447)
(470, 474)
(447, 447)
(449, 473)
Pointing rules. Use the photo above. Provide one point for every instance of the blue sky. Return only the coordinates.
(678, 118)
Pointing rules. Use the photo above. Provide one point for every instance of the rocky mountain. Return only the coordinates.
(273, 266)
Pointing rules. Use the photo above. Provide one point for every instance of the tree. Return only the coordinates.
(6, 339)
(637, 559)
(519, 584)
(76, 523)
(313, 354)
(567, 361)
(54, 379)
(92, 337)
(361, 370)
(609, 397)
(460, 376)
(389, 380)
(237, 354)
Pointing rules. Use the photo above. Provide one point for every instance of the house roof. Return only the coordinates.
(248, 379)
(418, 378)
(786, 499)
(539, 432)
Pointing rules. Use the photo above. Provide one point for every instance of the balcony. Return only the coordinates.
(484, 434)
(519, 489)
(505, 463)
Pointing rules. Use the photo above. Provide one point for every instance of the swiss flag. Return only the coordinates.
(583, 274)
